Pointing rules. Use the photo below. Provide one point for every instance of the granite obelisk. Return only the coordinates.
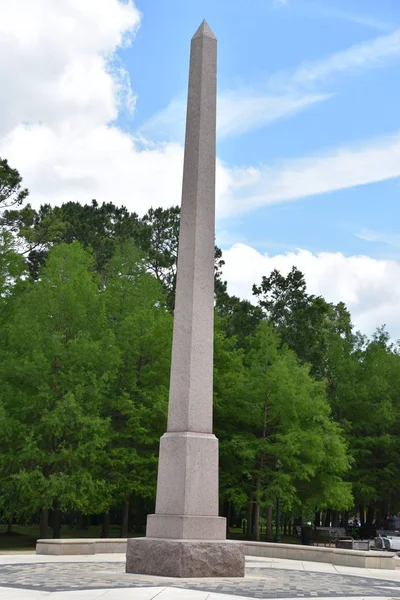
(186, 537)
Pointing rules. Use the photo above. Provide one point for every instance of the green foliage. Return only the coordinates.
(86, 303)
(372, 417)
(11, 191)
(240, 317)
(307, 324)
(12, 270)
(59, 362)
(142, 327)
(279, 415)
(95, 227)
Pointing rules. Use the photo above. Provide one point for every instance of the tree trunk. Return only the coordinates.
(317, 518)
(370, 515)
(56, 520)
(268, 530)
(83, 522)
(285, 525)
(70, 520)
(257, 508)
(257, 521)
(249, 528)
(105, 526)
(9, 526)
(125, 517)
(362, 517)
(335, 518)
(44, 524)
(328, 518)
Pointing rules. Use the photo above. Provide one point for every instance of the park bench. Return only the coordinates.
(330, 535)
(351, 544)
(323, 535)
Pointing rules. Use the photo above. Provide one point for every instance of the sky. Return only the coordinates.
(92, 105)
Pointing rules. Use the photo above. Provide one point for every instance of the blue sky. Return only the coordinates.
(262, 44)
(308, 152)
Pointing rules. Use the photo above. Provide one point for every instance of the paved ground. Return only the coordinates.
(103, 576)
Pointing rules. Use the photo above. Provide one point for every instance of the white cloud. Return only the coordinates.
(248, 188)
(380, 237)
(56, 60)
(365, 20)
(239, 111)
(283, 94)
(63, 89)
(102, 163)
(168, 124)
(360, 56)
(369, 287)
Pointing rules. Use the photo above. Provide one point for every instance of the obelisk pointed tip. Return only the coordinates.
(204, 30)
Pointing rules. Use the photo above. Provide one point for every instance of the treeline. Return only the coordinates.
(306, 409)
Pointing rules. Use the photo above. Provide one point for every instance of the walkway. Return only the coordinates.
(32, 577)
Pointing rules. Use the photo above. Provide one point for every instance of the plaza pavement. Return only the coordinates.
(34, 577)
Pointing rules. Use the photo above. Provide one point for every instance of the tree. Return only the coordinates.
(101, 228)
(142, 326)
(281, 413)
(11, 191)
(240, 318)
(307, 324)
(60, 360)
(96, 227)
(12, 271)
(371, 415)
(158, 238)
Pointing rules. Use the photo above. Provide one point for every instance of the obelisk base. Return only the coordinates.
(186, 527)
(184, 558)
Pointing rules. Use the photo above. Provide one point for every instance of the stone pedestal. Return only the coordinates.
(187, 489)
(185, 558)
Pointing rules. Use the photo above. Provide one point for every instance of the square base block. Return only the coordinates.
(187, 527)
(184, 558)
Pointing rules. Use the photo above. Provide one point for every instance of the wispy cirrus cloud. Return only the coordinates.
(369, 54)
(325, 9)
(282, 95)
(380, 237)
(239, 111)
(352, 17)
(246, 189)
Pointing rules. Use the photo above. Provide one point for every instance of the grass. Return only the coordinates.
(236, 533)
(21, 538)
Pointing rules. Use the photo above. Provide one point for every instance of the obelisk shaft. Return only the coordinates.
(187, 485)
(191, 387)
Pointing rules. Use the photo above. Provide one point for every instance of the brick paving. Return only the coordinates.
(258, 583)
